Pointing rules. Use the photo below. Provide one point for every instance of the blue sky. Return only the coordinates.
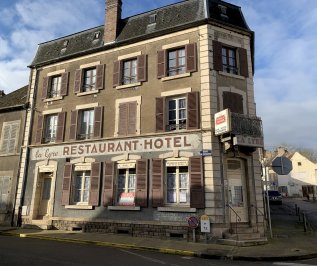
(285, 53)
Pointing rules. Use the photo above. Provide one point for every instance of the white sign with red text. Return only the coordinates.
(222, 122)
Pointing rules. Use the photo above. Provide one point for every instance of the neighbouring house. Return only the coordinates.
(129, 126)
(12, 121)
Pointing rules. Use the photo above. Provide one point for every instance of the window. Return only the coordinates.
(50, 128)
(229, 60)
(233, 101)
(86, 124)
(177, 113)
(89, 79)
(4, 191)
(126, 186)
(9, 137)
(81, 187)
(299, 163)
(129, 71)
(177, 61)
(86, 129)
(89, 82)
(127, 123)
(55, 86)
(177, 185)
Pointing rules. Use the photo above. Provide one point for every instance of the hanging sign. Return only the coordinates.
(204, 224)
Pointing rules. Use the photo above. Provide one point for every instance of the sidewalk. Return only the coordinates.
(289, 242)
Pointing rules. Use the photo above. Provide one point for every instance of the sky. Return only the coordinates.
(285, 79)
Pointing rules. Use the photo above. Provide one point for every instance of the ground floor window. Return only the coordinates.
(126, 186)
(177, 185)
(4, 191)
(81, 187)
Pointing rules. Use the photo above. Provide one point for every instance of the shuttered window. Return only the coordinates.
(177, 113)
(55, 86)
(127, 119)
(9, 137)
(89, 79)
(130, 71)
(230, 59)
(177, 61)
(233, 101)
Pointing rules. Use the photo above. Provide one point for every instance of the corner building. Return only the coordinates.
(123, 133)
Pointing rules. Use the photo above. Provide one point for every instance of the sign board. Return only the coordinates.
(193, 222)
(248, 141)
(222, 122)
(177, 163)
(126, 199)
(204, 224)
(282, 165)
(205, 153)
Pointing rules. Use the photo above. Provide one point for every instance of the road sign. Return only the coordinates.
(205, 152)
(193, 222)
(282, 165)
(204, 224)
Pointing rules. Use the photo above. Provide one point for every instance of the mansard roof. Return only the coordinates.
(167, 19)
(15, 99)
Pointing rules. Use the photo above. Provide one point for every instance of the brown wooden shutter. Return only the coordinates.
(108, 183)
(132, 113)
(193, 110)
(39, 129)
(157, 183)
(217, 54)
(197, 191)
(117, 75)
(45, 87)
(60, 127)
(191, 57)
(67, 179)
(233, 101)
(64, 84)
(94, 184)
(98, 122)
(73, 125)
(244, 71)
(160, 114)
(161, 64)
(141, 183)
(123, 119)
(78, 80)
(100, 71)
(142, 68)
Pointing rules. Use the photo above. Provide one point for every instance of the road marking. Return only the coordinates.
(291, 264)
(144, 257)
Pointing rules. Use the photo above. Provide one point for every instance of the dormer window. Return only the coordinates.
(152, 19)
(223, 9)
(97, 35)
(65, 43)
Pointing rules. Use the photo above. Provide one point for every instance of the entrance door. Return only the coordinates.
(45, 194)
(237, 190)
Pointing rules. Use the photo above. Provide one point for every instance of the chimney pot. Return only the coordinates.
(2, 93)
(112, 20)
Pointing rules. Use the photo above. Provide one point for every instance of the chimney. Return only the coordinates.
(112, 19)
(2, 93)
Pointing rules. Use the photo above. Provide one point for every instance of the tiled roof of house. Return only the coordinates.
(169, 18)
(14, 99)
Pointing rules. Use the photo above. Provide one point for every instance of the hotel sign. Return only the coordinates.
(248, 141)
(137, 145)
(222, 122)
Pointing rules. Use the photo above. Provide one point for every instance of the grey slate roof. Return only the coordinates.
(14, 99)
(170, 18)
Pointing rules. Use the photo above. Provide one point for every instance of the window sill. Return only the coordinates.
(79, 207)
(8, 154)
(87, 93)
(128, 86)
(176, 77)
(176, 209)
(124, 208)
(231, 75)
(53, 99)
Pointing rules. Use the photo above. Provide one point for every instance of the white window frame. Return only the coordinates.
(177, 126)
(179, 68)
(55, 86)
(92, 77)
(130, 66)
(50, 130)
(126, 188)
(83, 188)
(90, 121)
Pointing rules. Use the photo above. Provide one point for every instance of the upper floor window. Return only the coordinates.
(55, 86)
(86, 124)
(89, 79)
(50, 128)
(129, 71)
(175, 113)
(230, 60)
(177, 61)
(9, 137)
(233, 101)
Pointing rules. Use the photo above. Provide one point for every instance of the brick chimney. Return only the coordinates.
(2, 93)
(112, 19)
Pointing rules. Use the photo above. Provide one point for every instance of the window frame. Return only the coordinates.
(179, 68)
(229, 66)
(58, 86)
(51, 138)
(89, 80)
(126, 189)
(132, 69)
(89, 134)
(178, 126)
(83, 187)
